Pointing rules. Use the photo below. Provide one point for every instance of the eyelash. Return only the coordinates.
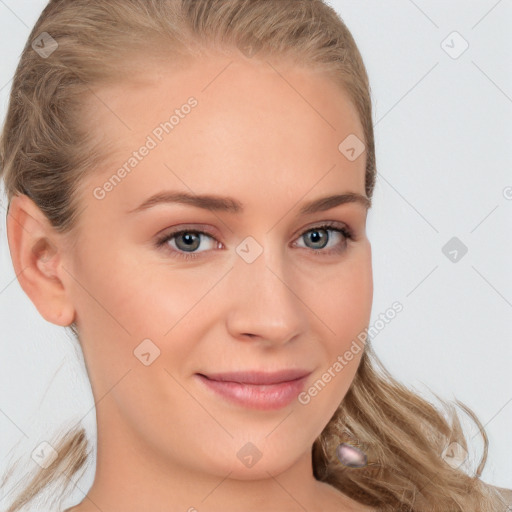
(345, 231)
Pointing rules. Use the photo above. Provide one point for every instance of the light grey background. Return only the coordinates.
(444, 154)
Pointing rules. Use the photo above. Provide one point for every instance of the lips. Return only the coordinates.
(258, 377)
(255, 389)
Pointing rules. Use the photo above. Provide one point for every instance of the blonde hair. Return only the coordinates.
(45, 150)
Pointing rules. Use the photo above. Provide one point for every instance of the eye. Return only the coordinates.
(319, 238)
(185, 242)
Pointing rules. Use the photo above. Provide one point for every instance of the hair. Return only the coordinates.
(46, 150)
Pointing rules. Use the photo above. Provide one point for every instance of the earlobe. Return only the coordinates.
(36, 256)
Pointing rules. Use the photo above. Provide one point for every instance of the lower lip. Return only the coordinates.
(255, 396)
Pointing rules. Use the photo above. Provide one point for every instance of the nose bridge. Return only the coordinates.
(264, 303)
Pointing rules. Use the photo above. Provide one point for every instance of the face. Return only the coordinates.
(245, 281)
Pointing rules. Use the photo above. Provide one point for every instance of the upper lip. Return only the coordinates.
(258, 377)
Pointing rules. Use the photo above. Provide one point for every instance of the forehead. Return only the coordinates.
(222, 124)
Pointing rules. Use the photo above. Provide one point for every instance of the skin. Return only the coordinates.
(270, 140)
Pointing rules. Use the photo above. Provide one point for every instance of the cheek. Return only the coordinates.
(129, 298)
(116, 307)
(344, 306)
(123, 304)
(343, 301)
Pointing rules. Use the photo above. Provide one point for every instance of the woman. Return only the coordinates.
(188, 187)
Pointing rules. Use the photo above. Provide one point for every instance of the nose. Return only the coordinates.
(265, 302)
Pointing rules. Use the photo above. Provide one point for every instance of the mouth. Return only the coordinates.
(257, 390)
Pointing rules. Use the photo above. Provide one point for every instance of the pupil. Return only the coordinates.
(189, 240)
(317, 236)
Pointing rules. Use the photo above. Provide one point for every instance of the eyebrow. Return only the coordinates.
(230, 205)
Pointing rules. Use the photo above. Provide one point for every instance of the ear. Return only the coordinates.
(37, 251)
